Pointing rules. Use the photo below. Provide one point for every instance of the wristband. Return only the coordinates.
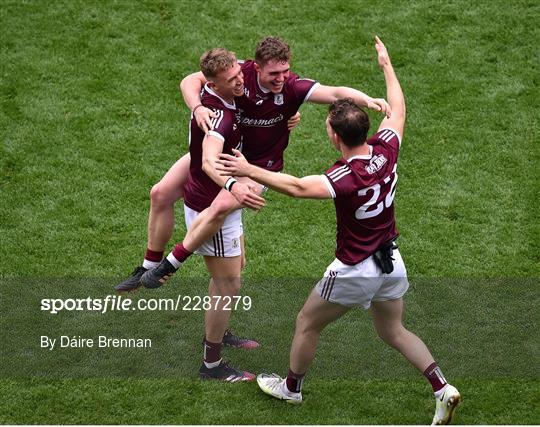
(230, 182)
(196, 106)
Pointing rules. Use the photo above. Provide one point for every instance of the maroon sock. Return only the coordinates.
(154, 256)
(295, 381)
(181, 253)
(435, 377)
(212, 351)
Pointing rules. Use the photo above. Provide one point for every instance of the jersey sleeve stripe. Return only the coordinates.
(313, 88)
(341, 175)
(213, 120)
(216, 135)
(329, 186)
(217, 120)
(392, 133)
(386, 135)
(337, 171)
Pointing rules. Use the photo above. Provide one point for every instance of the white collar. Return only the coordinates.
(363, 156)
(211, 92)
(263, 89)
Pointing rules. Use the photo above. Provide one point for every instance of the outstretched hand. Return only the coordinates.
(236, 165)
(382, 53)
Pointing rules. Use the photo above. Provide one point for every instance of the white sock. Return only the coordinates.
(149, 264)
(173, 261)
(285, 389)
(212, 364)
(440, 392)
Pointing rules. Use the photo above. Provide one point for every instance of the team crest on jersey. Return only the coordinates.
(278, 98)
(376, 164)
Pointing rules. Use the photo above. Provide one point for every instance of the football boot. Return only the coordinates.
(276, 386)
(133, 282)
(446, 405)
(156, 277)
(224, 372)
(231, 340)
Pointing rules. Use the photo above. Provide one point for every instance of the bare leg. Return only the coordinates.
(387, 317)
(243, 246)
(209, 221)
(225, 282)
(163, 196)
(315, 315)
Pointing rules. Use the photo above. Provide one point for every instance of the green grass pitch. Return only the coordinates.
(91, 118)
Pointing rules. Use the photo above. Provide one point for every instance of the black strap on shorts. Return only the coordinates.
(383, 256)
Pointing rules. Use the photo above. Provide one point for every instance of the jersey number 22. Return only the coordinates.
(370, 209)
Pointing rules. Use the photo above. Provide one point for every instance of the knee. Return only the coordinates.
(227, 285)
(160, 197)
(234, 284)
(219, 209)
(391, 336)
(300, 322)
(304, 324)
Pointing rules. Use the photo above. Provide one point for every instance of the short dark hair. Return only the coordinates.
(272, 48)
(349, 121)
(215, 61)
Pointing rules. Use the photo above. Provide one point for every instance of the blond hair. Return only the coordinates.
(215, 61)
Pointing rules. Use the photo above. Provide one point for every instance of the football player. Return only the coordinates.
(271, 98)
(222, 254)
(368, 271)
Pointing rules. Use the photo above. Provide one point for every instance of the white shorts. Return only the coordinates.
(226, 242)
(359, 284)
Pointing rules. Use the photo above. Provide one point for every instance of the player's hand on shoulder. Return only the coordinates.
(246, 197)
(203, 117)
(236, 165)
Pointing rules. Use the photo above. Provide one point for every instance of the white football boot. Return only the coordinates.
(276, 386)
(446, 405)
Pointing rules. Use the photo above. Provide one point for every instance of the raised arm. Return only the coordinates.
(191, 87)
(328, 94)
(394, 94)
(308, 187)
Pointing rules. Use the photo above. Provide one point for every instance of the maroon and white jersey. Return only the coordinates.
(200, 189)
(263, 116)
(363, 188)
